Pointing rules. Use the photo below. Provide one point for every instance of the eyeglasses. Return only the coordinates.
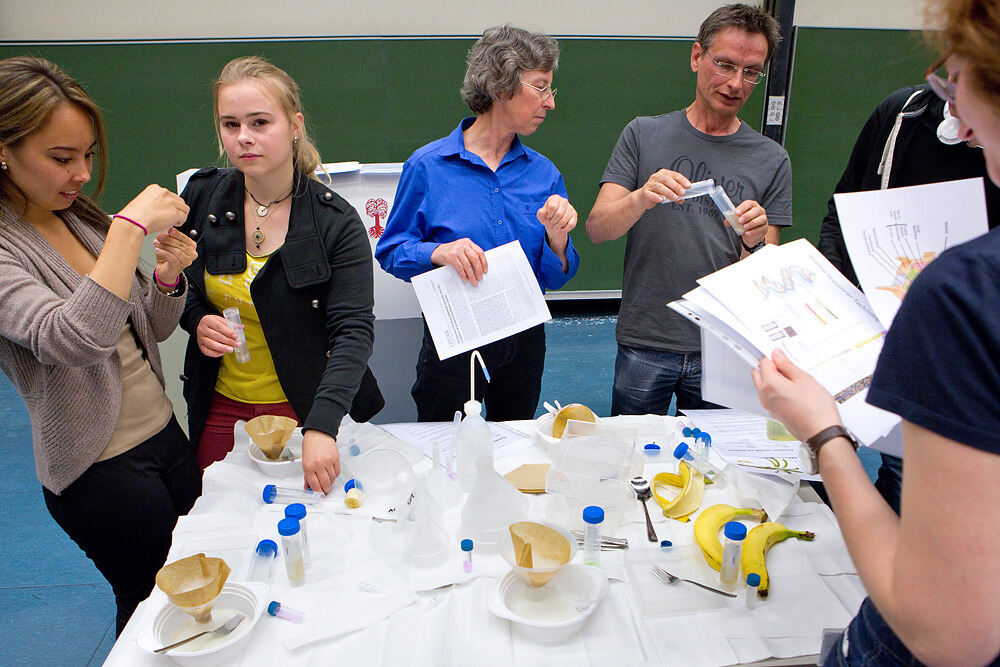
(724, 69)
(545, 93)
(943, 86)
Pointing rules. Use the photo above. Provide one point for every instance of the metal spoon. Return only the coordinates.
(643, 493)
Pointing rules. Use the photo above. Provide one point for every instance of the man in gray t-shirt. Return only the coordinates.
(672, 241)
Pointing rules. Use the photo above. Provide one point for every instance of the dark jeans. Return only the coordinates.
(870, 643)
(122, 511)
(646, 380)
(515, 365)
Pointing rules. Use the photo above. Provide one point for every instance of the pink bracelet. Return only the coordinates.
(163, 284)
(145, 232)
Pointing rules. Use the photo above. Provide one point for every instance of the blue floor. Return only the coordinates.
(58, 608)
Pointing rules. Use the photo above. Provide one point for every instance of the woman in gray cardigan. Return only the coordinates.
(79, 325)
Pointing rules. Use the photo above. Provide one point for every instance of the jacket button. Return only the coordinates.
(315, 303)
(230, 216)
(212, 218)
(193, 233)
(182, 377)
(327, 196)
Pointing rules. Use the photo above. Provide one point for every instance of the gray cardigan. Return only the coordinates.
(58, 345)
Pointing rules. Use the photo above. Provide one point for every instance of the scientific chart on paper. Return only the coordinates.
(790, 297)
(462, 316)
(891, 235)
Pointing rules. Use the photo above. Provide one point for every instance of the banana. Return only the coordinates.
(755, 547)
(688, 499)
(710, 522)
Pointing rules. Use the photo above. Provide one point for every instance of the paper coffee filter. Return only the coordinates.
(539, 551)
(193, 582)
(270, 433)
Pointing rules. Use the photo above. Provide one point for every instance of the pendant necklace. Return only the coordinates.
(257, 236)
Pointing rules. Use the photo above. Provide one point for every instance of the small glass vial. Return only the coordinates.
(700, 463)
(593, 517)
(735, 532)
(279, 610)
(283, 495)
(291, 543)
(467, 551)
(241, 352)
(297, 511)
(263, 558)
(753, 585)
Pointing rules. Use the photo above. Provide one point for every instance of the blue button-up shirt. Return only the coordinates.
(448, 193)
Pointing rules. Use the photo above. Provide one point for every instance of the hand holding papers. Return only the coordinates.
(462, 317)
(790, 297)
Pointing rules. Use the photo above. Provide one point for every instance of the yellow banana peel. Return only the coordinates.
(691, 487)
(710, 522)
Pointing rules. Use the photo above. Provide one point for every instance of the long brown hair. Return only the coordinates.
(30, 90)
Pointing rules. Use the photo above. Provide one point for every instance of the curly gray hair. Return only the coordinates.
(496, 60)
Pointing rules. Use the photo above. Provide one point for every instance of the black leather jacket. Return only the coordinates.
(313, 296)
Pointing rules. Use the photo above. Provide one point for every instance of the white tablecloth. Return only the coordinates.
(363, 606)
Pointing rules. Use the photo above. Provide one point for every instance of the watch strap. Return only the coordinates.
(828, 434)
(752, 249)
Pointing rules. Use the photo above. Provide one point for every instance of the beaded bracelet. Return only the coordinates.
(166, 285)
(145, 232)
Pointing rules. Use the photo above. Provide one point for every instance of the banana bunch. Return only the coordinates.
(688, 500)
(755, 547)
(710, 522)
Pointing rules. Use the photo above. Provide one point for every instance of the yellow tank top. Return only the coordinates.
(255, 381)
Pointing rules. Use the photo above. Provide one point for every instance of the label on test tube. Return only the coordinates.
(729, 572)
(241, 352)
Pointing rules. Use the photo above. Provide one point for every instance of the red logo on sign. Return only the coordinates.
(376, 208)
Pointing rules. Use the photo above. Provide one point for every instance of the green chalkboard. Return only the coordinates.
(840, 76)
(376, 101)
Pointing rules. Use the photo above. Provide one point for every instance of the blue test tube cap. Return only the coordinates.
(704, 437)
(753, 580)
(652, 449)
(273, 607)
(354, 450)
(296, 511)
(466, 544)
(267, 548)
(686, 432)
(353, 484)
(681, 451)
(270, 493)
(666, 544)
(593, 514)
(288, 527)
(695, 431)
(735, 530)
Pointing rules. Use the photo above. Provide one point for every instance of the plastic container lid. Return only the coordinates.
(288, 527)
(295, 511)
(354, 450)
(270, 493)
(652, 449)
(753, 580)
(735, 530)
(273, 607)
(267, 548)
(593, 514)
(473, 408)
(681, 451)
(466, 544)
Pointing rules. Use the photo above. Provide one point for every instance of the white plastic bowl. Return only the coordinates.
(543, 430)
(248, 599)
(281, 468)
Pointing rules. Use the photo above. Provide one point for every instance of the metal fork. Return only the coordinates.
(668, 578)
(223, 629)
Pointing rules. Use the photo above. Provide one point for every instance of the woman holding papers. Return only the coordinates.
(293, 258)
(474, 190)
(79, 330)
(932, 571)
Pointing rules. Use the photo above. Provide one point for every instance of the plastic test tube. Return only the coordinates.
(275, 608)
(735, 532)
(683, 452)
(263, 558)
(721, 200)
(284, 495)
(699, 188)
(241, 352)
(753, 585)
(291, 543)
(593, 517)
(467, 550)
(297, 511)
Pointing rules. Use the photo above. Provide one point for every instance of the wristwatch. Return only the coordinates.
(752, 249)
(809, 451)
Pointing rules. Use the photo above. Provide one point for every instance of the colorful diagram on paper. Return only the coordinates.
(906, 270)
(792, 284)
(897, 251)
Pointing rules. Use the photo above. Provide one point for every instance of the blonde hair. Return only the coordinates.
(305, 157)
(30, 91)
(972, 32)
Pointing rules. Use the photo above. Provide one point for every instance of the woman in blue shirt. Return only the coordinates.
(476, 189)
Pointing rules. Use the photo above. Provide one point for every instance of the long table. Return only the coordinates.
(365, 606)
